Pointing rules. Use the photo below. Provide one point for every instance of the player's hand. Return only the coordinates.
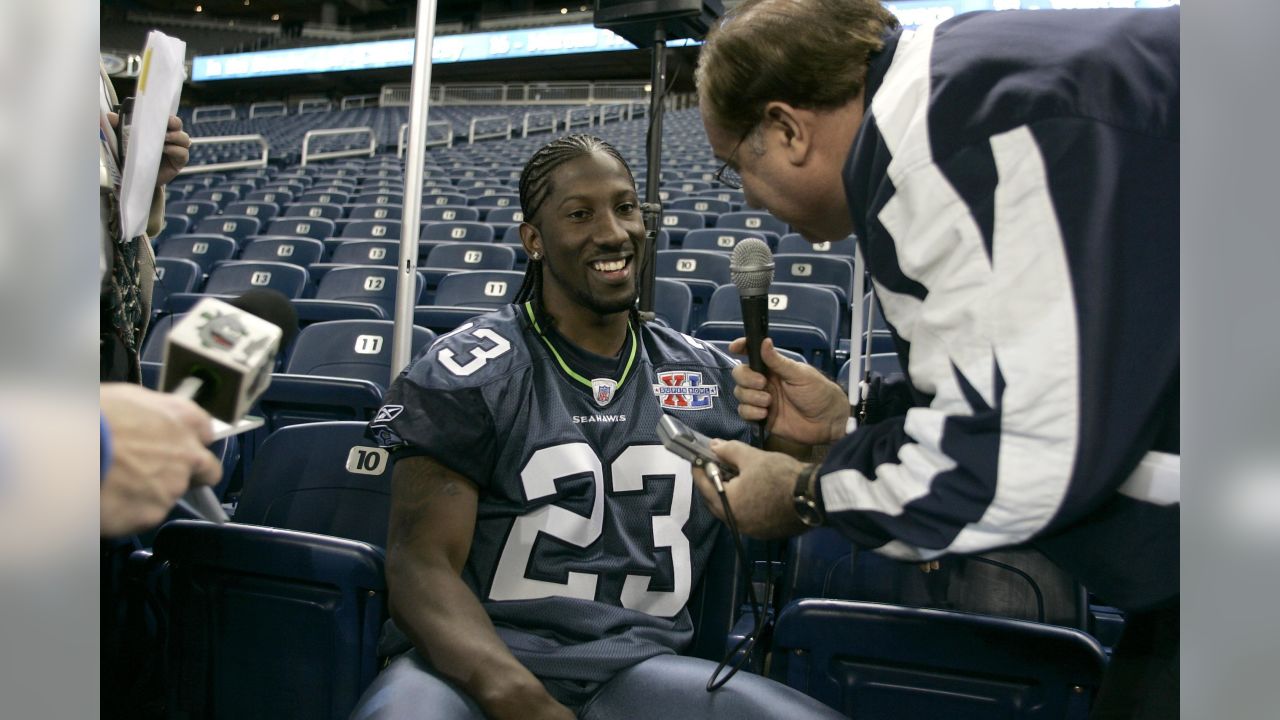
(797, 401)
(760, 496)
(157, 452)
(176, 153)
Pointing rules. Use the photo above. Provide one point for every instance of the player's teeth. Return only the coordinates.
(611, 266)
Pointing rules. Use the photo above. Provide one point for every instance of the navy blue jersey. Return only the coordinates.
(1014, 189)
(589, 534)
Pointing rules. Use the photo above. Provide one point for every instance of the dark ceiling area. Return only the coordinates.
(354, 14)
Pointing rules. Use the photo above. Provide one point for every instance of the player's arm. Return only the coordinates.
(433, 513)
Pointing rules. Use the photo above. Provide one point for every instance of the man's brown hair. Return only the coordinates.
(808, 53)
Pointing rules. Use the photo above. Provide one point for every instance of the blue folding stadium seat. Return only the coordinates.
(757, 220)
(173, 225)
(318, 228)
(803, 318)
(173, 275)
(457, 231)
(502, 198)
(693, 186)
(449, 213)
(723, 240)
(366, 252)
(260, 209)
(679, 222)
(218, 196)
(443, 198)
(236, 227)
(328, 196)
(705, 205)
(733, 197)
(296, 250)
(237, 276)
(329, 211)
(193, 209)
(376, 212)
(278, 196)
(379, 198)
(885, 364)
(875, 661)
(795, 243)
(704, 272)
(204, 250)
(372, 229)
(354, 292)
(511, 215)
(447, 258)
(356, 349)
(672, 303)
(296, 582)
(464, 294)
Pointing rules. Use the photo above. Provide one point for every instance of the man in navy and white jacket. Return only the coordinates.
(1012, 179)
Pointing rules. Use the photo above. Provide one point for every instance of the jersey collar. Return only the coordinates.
(632, 343)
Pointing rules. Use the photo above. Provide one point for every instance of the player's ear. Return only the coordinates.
(531, 239)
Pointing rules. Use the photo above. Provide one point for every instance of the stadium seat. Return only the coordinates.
(301, 251)
(449, 213)
(722, 240)
(875, 661)
(679, 222)
(705, 205)
(262, 210)
(278, 613)
(443, 199)
(757, 220)
(450, 257)
(803, 318)
(325, 197)
(376, 212)
(173, 275)
(204, 250)
(236, 227)
(193, 209)
(673, 303)
(280, 197)
(378, 198)
(318, 228)
(372, 229)
(218, 196)
(464, 294)
(701, 270)
(505, 216)
(237, 276)
(795, 243)
(366, 252)
(458, 231)
(314, 210)
(354, 292)
(173, 225)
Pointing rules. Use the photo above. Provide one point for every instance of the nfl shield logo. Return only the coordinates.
(602, 390)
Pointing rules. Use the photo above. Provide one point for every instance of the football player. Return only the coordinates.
(543, 543)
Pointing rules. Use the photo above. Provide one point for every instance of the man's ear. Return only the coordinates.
(531, 239)
(791, 129)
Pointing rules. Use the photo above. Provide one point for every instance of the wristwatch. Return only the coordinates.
(804, 498)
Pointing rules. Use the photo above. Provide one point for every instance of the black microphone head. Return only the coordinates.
(272, 306)
(752, 267)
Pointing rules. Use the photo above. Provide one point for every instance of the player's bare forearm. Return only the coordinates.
(432, 519)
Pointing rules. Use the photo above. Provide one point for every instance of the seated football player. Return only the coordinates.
(543, 543)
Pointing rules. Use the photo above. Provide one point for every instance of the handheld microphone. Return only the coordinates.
(752, 271)
(221, 357)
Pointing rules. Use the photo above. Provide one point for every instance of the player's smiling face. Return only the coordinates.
(591, 235)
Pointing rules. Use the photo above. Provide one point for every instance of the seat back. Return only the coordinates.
(237, 227)
(372, 229)
(367, 252)
(694, 265)
(261, 209)
(237, 276)
(374, 284)
(301, 251)
(835, 272)
(752, 220)
(795, 243)
(174, 275)
(723, 240)
(673, 303)
(875, 662)
(479, 288)
(317, 227)
(458, 231)
(359, 349)
(376, 212)
(203, 250)
(471, 256)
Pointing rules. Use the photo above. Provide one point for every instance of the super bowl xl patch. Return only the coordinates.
(682, 390)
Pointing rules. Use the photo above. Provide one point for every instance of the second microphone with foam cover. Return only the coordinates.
(752, 271)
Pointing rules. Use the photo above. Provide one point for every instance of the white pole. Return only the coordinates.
(414, 160)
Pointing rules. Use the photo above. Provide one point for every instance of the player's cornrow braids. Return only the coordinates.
(535, 186)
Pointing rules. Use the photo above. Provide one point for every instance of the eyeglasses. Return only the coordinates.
(726, 175)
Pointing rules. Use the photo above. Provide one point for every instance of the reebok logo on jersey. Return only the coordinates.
(386, 414)
(682, 390)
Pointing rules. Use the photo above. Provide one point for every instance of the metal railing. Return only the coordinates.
(637, 109)
(534, 93)
(261, 162)
(358, 101)
(505, 132)
(394, 96)
(306, 141)
(526, 127)
(309, 105)
(586, 114)
(198, 114)
(612, 112)
(268, 108)
(445, 141)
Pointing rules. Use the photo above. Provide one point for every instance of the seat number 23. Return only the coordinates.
(627, 474)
